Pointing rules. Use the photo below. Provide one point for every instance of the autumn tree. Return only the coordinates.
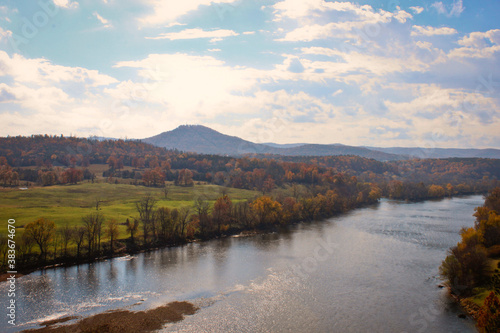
(492, 200)
(466, 265)
(185, 178)
(41, 231)
(489, 229)
(436, 191)
(488, 319)
(47, 178)
(72, 176)
(266, 210)
(221, 213)
(154, 177)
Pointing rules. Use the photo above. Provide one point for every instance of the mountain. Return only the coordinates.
(441, 152)
(336, 149)
(201, 139)
(204, 140)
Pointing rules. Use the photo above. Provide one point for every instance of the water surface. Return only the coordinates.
(374, 269)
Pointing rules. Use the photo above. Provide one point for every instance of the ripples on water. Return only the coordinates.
(371, 270)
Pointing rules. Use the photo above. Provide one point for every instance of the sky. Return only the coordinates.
(386, 73)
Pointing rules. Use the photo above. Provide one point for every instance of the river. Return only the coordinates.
(374, 269)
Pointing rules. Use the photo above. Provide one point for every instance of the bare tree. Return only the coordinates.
(78, 236)
(112, 232)
(3, 248)
(93, 225)
(97, 203)
(183, 219)
(166, 190)
(41, 231)
(66, 237)
(145, 207)
(24, 246)
(165, 220)
(132, 227)
(202, 207)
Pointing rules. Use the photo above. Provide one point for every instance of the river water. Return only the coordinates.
(374, 269)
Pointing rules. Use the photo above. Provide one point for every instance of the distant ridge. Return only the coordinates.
(204, 140)
(441, 152)
(201, 139)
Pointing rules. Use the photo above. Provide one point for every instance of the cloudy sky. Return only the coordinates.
(380, 73)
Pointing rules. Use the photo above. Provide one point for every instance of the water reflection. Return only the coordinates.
(381, 270)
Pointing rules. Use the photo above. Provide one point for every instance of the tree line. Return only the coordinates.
(467, 268)
(97, 235)
(48, 157)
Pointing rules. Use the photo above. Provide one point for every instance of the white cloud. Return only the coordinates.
(173, 24)
(337, 92)
(478, 45)
(195, 34)
(49, 96)
(42, 72)
(248, 32)
(478, 39)
(309, 33)
(442, 111)
(165, 11)
(106, 24)
(424, 45)
(358, 17)
(401, 16)
(456, 8)
(66, 4)
(417, 9)
(214, 50)
(4, 34)
(431, 31)
(297, 9)
(184, 84)
(359, 63)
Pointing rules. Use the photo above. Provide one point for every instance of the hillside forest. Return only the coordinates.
(269, 192)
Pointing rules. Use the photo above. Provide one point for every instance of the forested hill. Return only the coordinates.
(46, 150)
(33, 157)
(204, 140)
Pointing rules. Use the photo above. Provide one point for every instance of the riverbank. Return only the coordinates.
(470, 308)
(121, 321)
(472, 266)
(126, 248)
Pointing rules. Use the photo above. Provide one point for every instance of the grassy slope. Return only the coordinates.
(68, 203)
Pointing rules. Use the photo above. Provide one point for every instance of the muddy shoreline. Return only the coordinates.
(120, 321)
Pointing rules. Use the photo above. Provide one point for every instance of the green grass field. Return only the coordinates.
(69, 203)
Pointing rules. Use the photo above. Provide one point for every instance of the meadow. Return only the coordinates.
(67, 204)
